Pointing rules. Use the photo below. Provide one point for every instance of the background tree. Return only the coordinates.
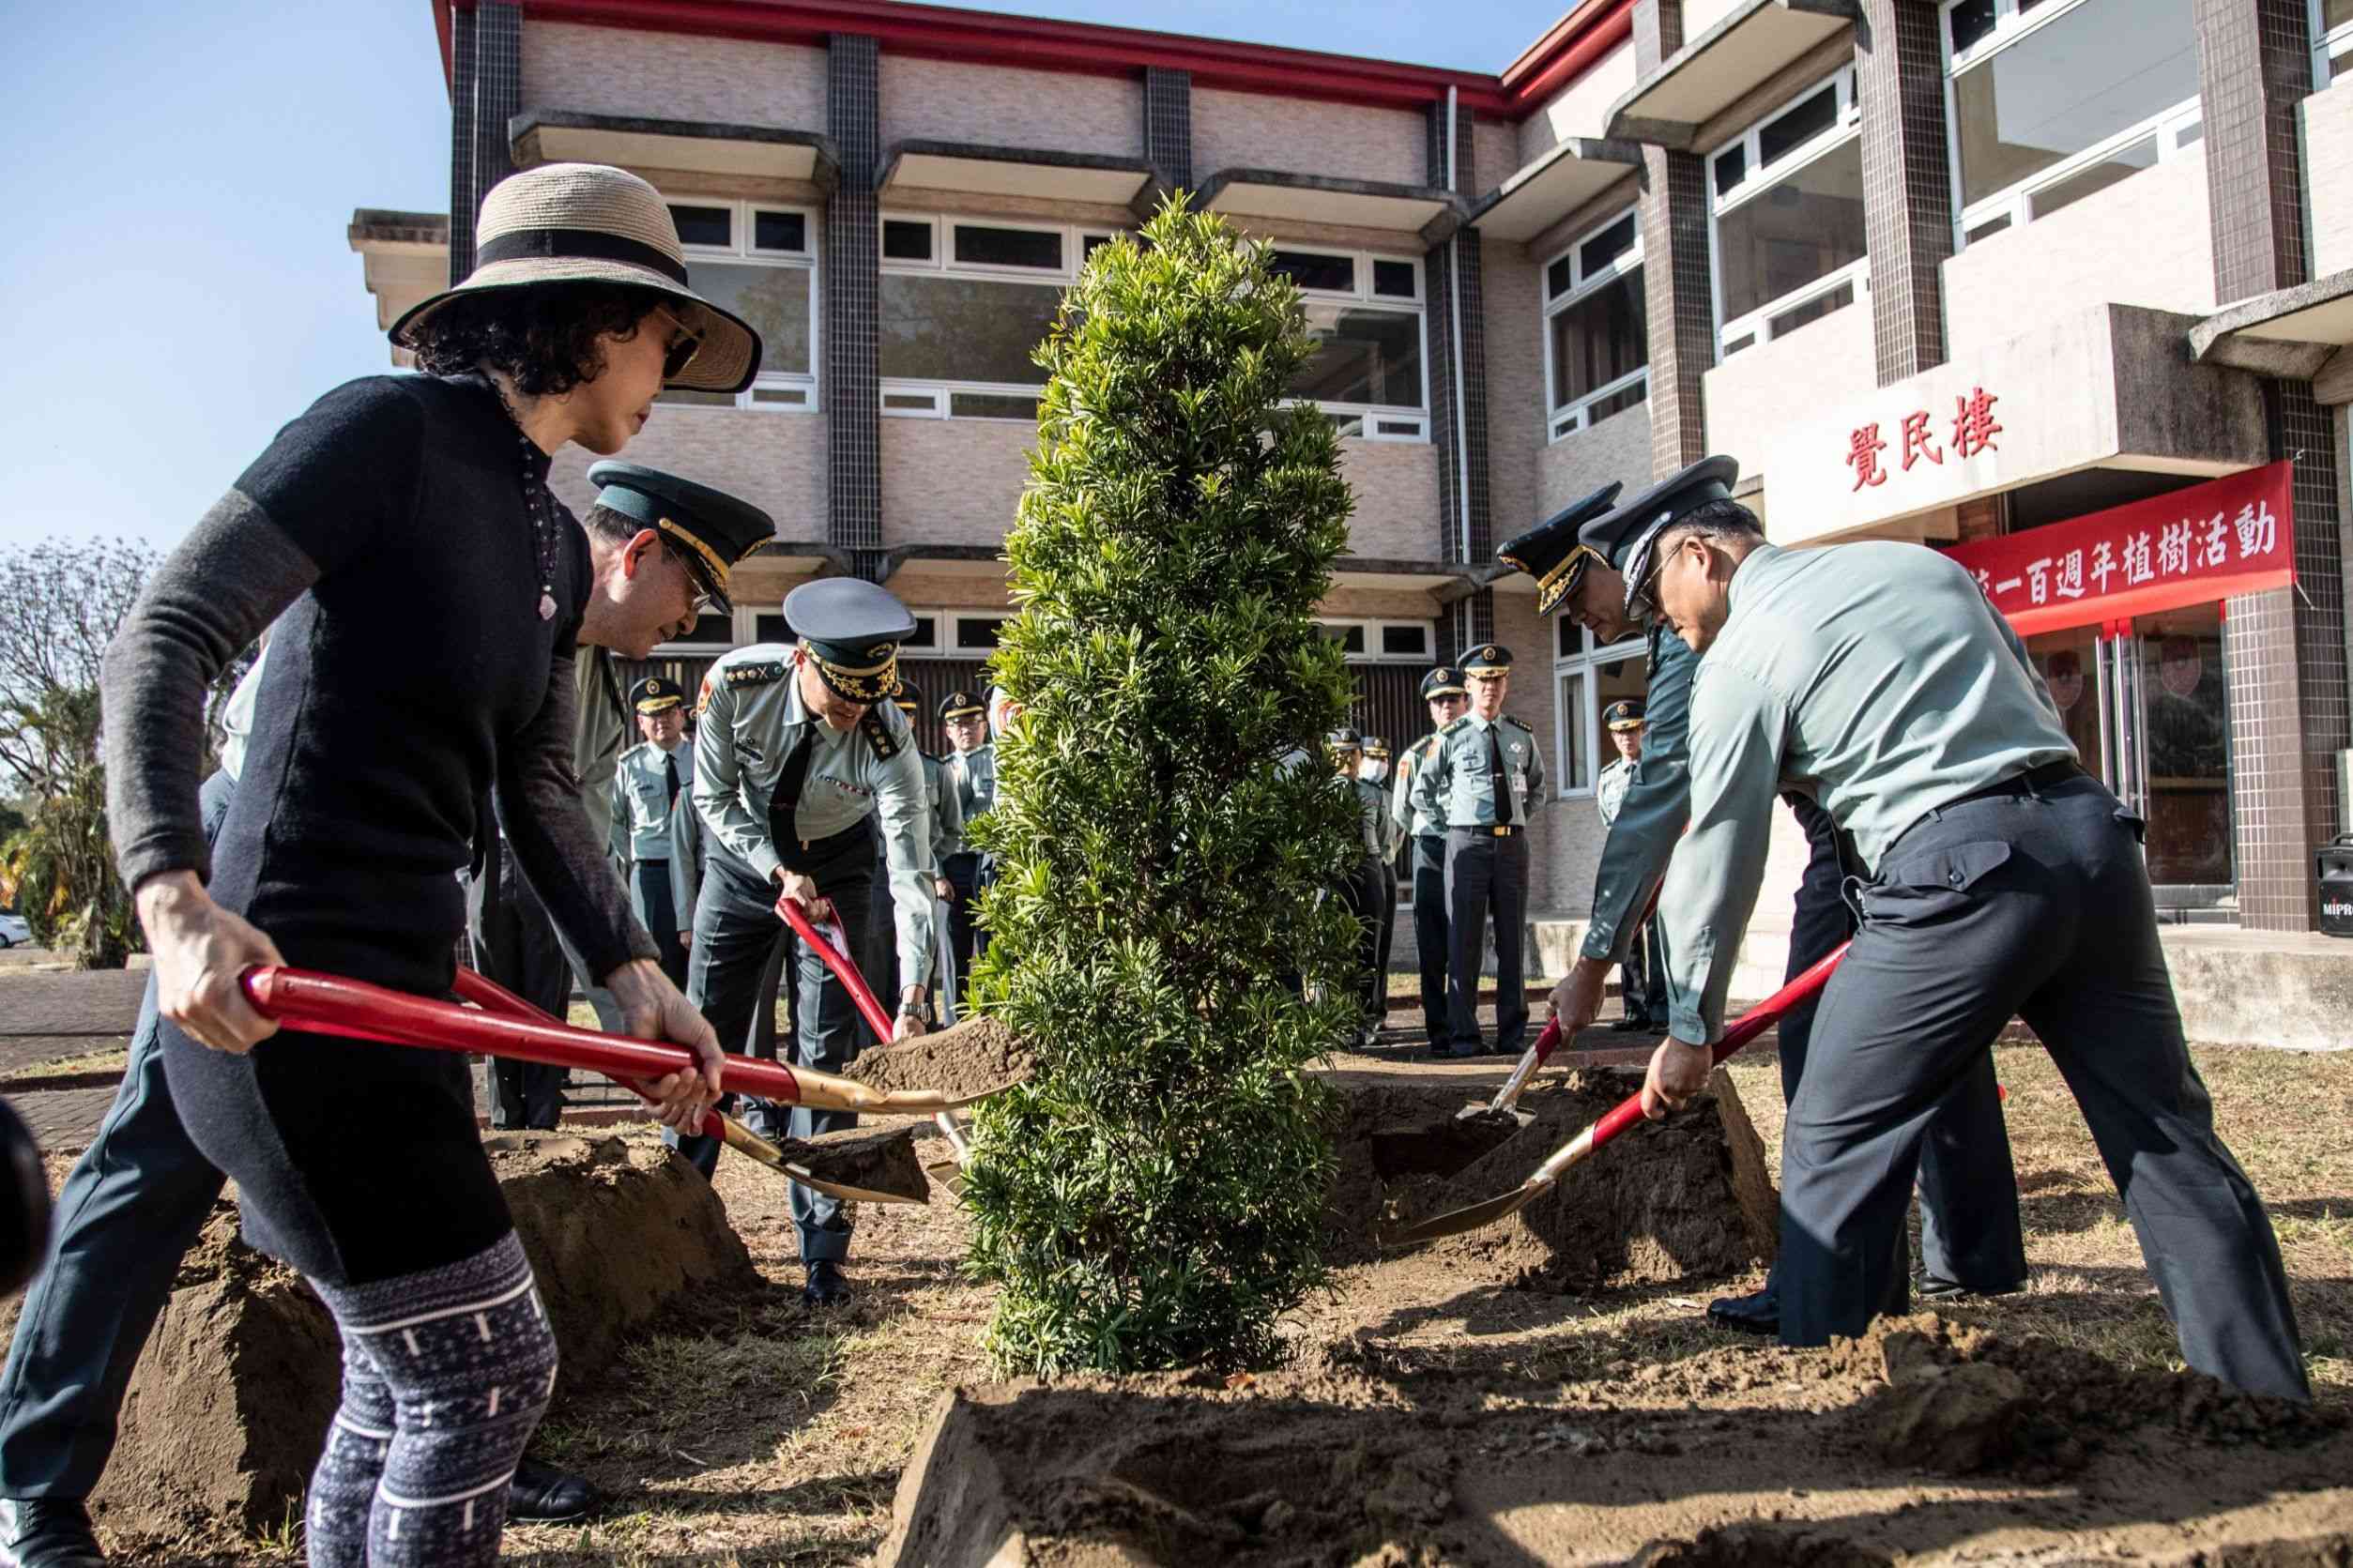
(64, 601)
(1165, 820)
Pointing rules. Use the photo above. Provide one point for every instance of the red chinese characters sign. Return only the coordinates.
(2231, 536)
(1970, 431)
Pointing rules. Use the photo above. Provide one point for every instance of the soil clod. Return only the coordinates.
(968, 1058)
(877, 1159)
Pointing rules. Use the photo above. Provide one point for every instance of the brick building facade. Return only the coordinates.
(1644, 240)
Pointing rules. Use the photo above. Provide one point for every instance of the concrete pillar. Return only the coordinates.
(1907, 188)
(1673, 212)
(486, 93)
(2284, 650)
(1464, 483)
(1169, 125)
(853, 286)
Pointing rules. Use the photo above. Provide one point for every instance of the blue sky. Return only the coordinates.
(177, 285)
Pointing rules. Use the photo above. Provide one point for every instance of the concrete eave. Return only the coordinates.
(1554, 186)
(1394, 576)
(1430, 214)
(947, 560)
(1038, 173)
(795, 557)
(692, 146)
(2297, 333)
(1715, 70)
(404, 258)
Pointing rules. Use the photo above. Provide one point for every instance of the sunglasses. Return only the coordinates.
(680, 351)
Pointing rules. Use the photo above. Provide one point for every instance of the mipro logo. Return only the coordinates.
(2336, 909)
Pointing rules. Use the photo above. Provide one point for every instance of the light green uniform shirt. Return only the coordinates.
(641, 798)
(1609, 791)
(1874, 677)
(1372, 814)
(601, 729)
(947, 816)
(1405, 812)
(752, 721)
(1456, 788)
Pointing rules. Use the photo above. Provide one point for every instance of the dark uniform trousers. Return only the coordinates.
(1487, 875)
(875, 944)
(131, 1208)
(734, 972)
(1428, 867)
(1643, 978)
(966, 939)
(1386, 930)
(1360, 890)
(513, 943)
(1970, 1231)
(2031, 899)
(654, 896)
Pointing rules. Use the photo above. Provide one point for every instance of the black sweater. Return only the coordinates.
(409, 675)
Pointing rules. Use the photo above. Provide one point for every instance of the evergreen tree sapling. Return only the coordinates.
(1165, 824)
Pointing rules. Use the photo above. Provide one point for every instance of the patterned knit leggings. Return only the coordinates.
(445, 1375)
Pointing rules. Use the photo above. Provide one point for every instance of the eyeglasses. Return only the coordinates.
(680, 351)
(1643, 600)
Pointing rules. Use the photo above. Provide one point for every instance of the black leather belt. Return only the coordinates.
(2034, 781)
(1489, 830)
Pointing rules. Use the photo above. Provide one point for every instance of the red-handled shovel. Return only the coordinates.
(833, 950)
(1751, 1024)
(491, 997)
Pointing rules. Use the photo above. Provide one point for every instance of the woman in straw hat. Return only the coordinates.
(426, 589)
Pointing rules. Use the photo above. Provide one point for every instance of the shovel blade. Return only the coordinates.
(1456, 1221)
(801, 1161)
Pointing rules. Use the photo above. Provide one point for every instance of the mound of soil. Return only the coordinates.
(1736, 1457)
(228, 1406)
(1688, 1198)
(878, 1159)
(966, 1059)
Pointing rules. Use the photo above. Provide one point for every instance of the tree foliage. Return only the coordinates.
(57, 866)
(1165, 824)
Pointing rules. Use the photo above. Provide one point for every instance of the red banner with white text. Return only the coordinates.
(2230, 536)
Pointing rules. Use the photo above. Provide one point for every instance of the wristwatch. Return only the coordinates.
(918, 1011)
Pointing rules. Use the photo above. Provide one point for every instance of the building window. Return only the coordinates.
(709, 634)
(2049, 100)
(1597, 336)
(1587, 678)
(1383, 642)
(964, 302)
(1789, 243)
(1365, 315)
(2331, 40)
(759, 261)
(955, 634)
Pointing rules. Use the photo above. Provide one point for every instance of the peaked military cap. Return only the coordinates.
(656, 694)
(708, 529)
(1625, 537)
(960, 704)
(1376, 748)
(903, 695)
(1626, 713)
(1552, 553)
(851, 630)
(1488, 658)
(1444, 681)
(1346, 739)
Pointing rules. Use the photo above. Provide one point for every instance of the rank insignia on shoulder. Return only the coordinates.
(1456, 724)
(756, 675)
(1518, 723)
(885, 748)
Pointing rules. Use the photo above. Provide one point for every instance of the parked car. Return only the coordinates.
(13, 931)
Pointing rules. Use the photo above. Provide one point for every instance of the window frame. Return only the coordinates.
(1372, 627)
(1587, 662)
(1367, 418)
(740, 224)
(1756, 179)
(2327, 47)
(1566, 419)
(940, 393)
(946, 623)
(2014, 204)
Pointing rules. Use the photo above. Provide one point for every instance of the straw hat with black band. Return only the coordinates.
(592, 223)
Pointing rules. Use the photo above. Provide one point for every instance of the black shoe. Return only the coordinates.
(1756, 1314)
(1631, 1023)
(827, 1287)
(1460, 1050)
(544, 1495)
(51, 1533)
(1934, 1288)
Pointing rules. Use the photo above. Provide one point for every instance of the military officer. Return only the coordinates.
(1374, 771)
(1994, 876)
(656, 835)
(1359, 887)
(1642, 980)
(1483, 780)
(972, 772)
(1970, 1228)
(880, 943)
(798, 762)
(1425, 836)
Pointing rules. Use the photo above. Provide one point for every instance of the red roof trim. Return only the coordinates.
(940, 32)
